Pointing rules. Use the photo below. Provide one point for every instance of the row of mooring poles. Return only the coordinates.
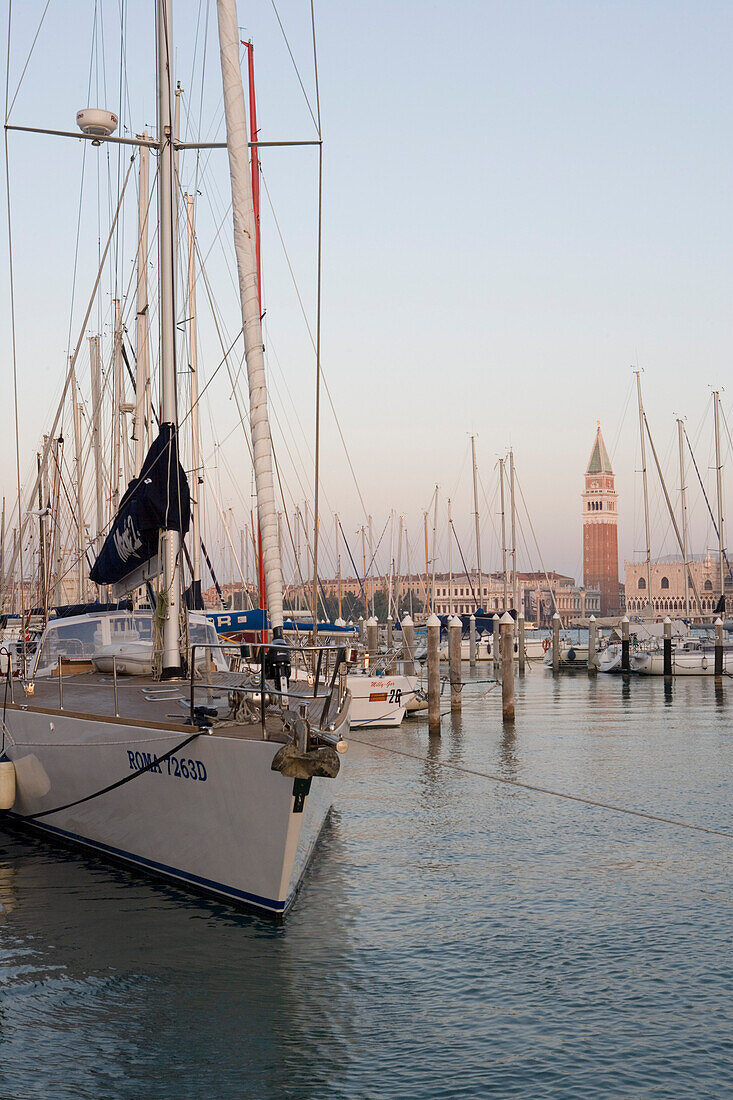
(503, 647)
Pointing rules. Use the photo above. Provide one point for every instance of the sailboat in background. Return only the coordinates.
(217, 775)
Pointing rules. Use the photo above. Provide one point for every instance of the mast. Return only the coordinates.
(479, 602)
(80, 548)
(391, 563)
(646, 492)
(245, 245)
(196, 469)
(503, 530)
(96, 373)
(371, 565)
(338, 561)
(117, 408)
(450, 559)
(435, 553)
(513, 513)
(399, 571)
(427, 565)
(170, 539)
(683, 509)
(719, 482)
(142, 366)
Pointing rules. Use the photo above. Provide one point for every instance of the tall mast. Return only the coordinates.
(646, 492)
(719, 481)
(338, 561)
(479, 601)
(391, 563)
(80, 548)
(503, 531)
(196, 469)
(450, 559)
(399, 570)
(170, 539)
(142, 367)
(428, 600)
(371, 565)
(435, 549)
(683, 509)
(117, 408)
(96, 373)
(513, 513)
(245, 246)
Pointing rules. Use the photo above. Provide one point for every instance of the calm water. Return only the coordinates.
(454, 938)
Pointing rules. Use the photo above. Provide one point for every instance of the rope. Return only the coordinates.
(553, 793)
(120, 782)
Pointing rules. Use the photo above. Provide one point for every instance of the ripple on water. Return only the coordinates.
(455, 937)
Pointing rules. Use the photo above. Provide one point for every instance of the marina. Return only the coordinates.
(366, 633)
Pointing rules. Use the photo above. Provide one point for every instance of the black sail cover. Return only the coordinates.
(157, 500)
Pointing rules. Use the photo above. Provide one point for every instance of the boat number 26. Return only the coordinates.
(395, 696)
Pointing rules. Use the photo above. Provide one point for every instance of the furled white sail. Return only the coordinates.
(244, 246)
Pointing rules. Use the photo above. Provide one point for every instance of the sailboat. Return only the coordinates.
(215, 775)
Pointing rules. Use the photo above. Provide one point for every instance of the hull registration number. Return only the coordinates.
(179, 767)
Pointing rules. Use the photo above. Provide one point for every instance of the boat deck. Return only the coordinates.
(164, 705)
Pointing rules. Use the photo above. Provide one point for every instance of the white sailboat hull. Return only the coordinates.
(214, 817)
(683, 664)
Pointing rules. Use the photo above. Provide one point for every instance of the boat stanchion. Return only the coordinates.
(718, 649)
(454, 662)
(433, 628)
(114, 686)
(472, 640)
(592, 646)
(507, 667)
(61, 684)
(521, 653)
(625, 661)
(667, 644)
(556, 642)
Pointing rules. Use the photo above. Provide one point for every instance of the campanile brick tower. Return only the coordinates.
(600, 527)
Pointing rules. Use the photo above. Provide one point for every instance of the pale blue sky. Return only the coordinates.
(521, 200)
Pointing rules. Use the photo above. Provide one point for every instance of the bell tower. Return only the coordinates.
(600, 527)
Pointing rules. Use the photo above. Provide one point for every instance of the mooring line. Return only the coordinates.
(549, 790)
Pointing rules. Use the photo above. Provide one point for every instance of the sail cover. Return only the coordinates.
(157, 500)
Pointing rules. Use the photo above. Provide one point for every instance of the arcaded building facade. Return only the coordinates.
(600, 527)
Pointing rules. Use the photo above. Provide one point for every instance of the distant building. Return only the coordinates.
(667, 594)
(600, 528)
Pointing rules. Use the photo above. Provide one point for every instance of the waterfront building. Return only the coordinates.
(600, 527)
(667, 596)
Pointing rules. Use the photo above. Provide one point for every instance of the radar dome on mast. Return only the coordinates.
(96, 122)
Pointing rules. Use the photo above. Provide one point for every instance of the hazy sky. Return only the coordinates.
(521, 199)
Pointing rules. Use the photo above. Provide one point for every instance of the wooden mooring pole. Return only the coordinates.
(454, 662)
(472, 640)
(433, 628)
(507, 667)
(556, 642)
(667, 644)
(592, 646)
(625, 661)
(719, 650)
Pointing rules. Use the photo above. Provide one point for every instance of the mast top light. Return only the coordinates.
(96, 122)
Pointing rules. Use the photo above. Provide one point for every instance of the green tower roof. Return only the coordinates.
(599, 462)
